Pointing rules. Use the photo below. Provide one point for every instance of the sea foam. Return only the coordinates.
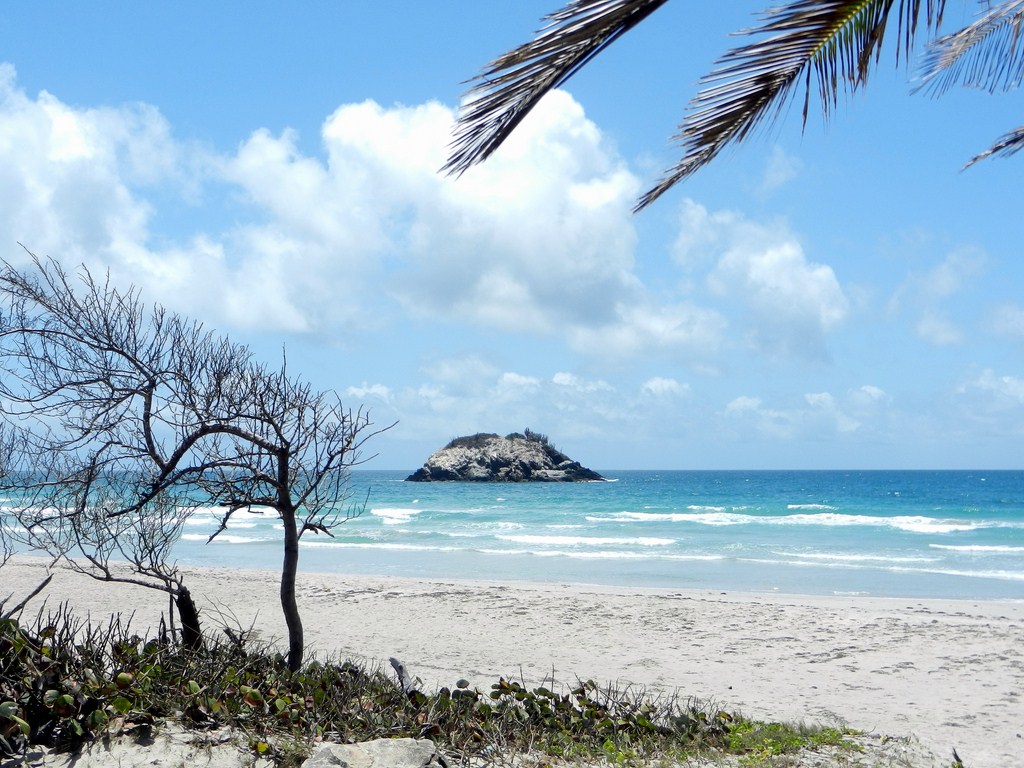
(587, 541)
(395, 515)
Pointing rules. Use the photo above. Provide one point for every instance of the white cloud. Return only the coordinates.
(566, 405)
(750, 412)
(466, 373)
(928, 294)
(791, 303)
(742, 404)
(951, 275)
(822, 400)
(993, 404)
(819, 415)
(868, 394)
(660, 386)
(1008, 320)
(999, 392)
(703, 234)
(938, 330)
(689, 333)
(518, 381)
(571, 381)
(538, 239)
(780, 169)
(825, 403)
(370, 391)
(515, 387)
(75, 181)
(66, 174)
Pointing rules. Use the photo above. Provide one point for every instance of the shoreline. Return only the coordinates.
(949, 672)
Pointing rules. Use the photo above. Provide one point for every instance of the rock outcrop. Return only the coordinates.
(514, 458)
(382, 753)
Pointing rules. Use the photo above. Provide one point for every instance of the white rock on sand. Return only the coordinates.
(948, 673)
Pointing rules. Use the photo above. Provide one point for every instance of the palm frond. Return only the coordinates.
(987, 54)
(1008, 144)
(513, 84)
(836, 40)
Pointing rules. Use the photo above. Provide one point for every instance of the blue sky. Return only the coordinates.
(838, 297)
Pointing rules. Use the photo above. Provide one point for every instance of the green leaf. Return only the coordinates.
(97, 719)
(121, 705)
(251, 696)
(8, 627)
(9, 711)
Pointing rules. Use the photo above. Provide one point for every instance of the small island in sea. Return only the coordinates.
(515, 458)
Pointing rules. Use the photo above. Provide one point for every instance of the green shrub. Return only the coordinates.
(63, 682)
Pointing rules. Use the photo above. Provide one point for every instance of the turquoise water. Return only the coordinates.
(924, 534)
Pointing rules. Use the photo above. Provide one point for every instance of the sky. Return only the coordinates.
(835, 296)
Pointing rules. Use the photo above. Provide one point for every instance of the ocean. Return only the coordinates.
(947, 534)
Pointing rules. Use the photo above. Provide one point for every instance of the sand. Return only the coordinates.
(948, 673)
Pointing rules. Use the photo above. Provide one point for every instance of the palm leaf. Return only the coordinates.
(513, 84)
(986, 54)
(1008, 144)
(836, 40)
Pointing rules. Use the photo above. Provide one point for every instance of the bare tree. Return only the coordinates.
(126, 420)
(9, 531)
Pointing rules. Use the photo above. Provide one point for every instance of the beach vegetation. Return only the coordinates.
(537, 437)
(472, 442)
(121, 421)
(827, 49)
(65, 682)
(760, 743)
(481, 439)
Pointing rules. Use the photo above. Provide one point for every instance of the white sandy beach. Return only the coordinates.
(949, 673)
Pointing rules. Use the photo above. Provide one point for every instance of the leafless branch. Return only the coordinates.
(120, 422)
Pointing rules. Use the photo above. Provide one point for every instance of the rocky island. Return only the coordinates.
(515, 458)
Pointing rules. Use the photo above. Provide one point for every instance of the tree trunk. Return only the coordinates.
(191, 634)
(288, 603)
